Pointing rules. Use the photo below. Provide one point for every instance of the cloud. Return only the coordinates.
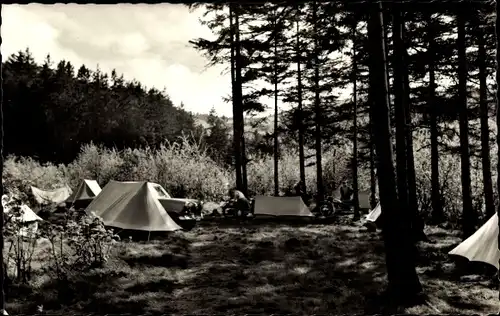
(145, 42)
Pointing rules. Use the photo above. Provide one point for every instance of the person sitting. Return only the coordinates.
(238, 201)
(345, 192)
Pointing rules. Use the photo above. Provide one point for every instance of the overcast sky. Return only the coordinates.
(145, 42)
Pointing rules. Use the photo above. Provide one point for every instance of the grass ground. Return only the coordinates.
(258, 268)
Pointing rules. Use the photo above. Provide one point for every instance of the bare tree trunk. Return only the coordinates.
(399, 107)
(437, 209)
(355, 127)
(387, 69)
(276, 145)
(404, 285)
(485, 131)
(236, 106)
(412, 181)
(240, 116)
(317, 110)
(469, 217)
(302, 159)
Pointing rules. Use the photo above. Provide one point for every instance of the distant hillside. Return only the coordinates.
(262, 125)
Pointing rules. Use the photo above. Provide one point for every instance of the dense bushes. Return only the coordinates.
(77, 244)
(185, 170)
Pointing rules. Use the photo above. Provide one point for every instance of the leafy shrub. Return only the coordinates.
(97, 163)
(21, 240)
(81, 243)
(20, 173)
(91, 241)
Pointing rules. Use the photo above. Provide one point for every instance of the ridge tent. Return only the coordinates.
(56, 196)
(132, 205)
(482, 245)
(281, 206)
(86, 191)
(27, 217)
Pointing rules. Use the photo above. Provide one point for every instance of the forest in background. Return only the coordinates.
(422, 98)
(62, 108)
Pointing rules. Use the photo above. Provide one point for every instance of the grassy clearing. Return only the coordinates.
(257, 268)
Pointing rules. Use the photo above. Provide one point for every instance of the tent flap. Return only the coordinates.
(482, 245)
(374, 214)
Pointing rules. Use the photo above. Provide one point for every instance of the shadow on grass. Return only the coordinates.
(78, 292)
(166, 260)
(257, 268)
(454, 284)
(284, 269)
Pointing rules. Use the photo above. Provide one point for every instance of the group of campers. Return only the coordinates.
(238, 200)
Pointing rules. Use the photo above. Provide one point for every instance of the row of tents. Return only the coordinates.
(127, 205)
(143, 206)
(86, 191)
(146, 206)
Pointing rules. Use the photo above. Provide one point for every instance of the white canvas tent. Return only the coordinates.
(56, 196)
(87, 190)
(132, 205)
(281, 206)
(27, 217)
(482, 245)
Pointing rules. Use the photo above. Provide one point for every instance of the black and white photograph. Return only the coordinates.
(250, 158)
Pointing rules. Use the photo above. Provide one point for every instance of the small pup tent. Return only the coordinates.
(86, 191)
(56, 196)
(281, 206)
(29, 220)
(482, 245)
(132, 205)
(374, 214)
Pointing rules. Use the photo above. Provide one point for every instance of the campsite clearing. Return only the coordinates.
(220, 268)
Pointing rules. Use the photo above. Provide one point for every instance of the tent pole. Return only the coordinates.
(149, 233)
